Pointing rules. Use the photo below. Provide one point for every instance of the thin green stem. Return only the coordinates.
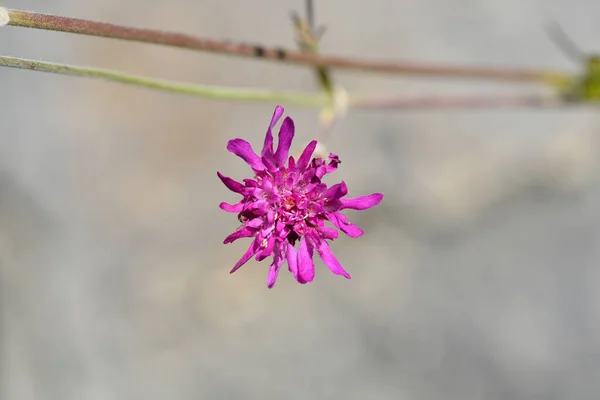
(94, 28)
(298, 99)
(211, 92)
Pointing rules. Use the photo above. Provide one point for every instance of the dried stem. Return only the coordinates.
(93, 28)
(211, 92)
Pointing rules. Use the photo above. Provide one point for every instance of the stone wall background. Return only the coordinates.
(477, 276)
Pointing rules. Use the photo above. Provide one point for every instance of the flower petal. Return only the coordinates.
(306, 155)
(248, 255)
(335, 192)
(258, 207)
(266, 248)
(278, 261)
(342, 223)
(235, 208)
(329, 259)
(268, 163)
(326, 232)
(306, 265)
(255, 223)
(267, 151)
(286, 135)
(243, 149)
(292, 259)
(231, 184)
(240, 233)
(362, 203)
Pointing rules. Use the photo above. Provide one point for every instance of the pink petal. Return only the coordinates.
(268, 163)
(330, 260)
(267, 250)
(235, 208)
(258, 207)
(255, 223)
(240, 233)
(336, 191)
(231, 184)
(362, 203)
(248, 255)
(243, 149)
(278, 261)
(286, 135)
(292, 259)
(304, 159)
(306, 265)
(342, 223)
(267, 151)
(326, 232)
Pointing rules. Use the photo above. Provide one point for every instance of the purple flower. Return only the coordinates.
(283, 205)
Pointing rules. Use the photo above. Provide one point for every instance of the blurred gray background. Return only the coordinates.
(477, 277)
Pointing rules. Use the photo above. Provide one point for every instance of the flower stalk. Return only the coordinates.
(206, 91)
(292, 98)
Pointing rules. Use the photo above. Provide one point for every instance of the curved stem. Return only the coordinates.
(211, 92)
(94, 28)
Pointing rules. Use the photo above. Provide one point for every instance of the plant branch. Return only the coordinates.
(453, 102)
(93, 28)
(211, 92)
(292, 98)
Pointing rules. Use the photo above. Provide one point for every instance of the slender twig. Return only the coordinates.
(298, 99)
(211, 92)
(436, 102)
(310, 14)
(87, 27)
(565, 43)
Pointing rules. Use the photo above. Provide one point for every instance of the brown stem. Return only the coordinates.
(93, 28)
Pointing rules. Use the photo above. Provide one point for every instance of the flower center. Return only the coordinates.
(288, 203)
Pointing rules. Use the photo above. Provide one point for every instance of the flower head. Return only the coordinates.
(288, 204)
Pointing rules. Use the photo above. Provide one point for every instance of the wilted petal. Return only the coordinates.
(267, 151)
(248, 255)
(231, 184)
(330, 260)
(286, 135)
(243, 149)
(240, 233)
(306, 265)
(306, 155)
(334, 161)
(361, 203)
(342, 223)
(235, 208)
